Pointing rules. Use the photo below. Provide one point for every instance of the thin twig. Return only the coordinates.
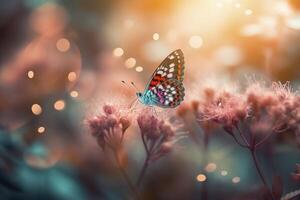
(263, 140)
(143, 171)
(237, 141)
(145, 144)
(125, 175)
(242, 135)
(254, 158)
(146, 164)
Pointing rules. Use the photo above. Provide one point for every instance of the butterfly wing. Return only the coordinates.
(169, 94)
(171, 68)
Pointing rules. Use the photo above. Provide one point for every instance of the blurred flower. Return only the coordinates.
(296, 174)
(109, 128)
(49, 19)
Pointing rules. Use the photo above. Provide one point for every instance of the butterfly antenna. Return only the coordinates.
(132, 83)
(125, 84)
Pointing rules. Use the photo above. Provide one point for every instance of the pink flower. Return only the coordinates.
(223, 108)
(108, 128)
(158, 137)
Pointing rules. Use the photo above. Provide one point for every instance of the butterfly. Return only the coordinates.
(165, 88)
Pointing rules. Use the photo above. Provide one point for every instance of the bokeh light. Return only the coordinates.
(195, 41)
(63, 45)
(72, 76)
(201, 177)
(59, 105)
(139, 69)
(155, 36)
(118, 52)
(130, 63)
(74, 94)
(41, 129)
(36, 109)
(30, 74)
(236, 179)
(237, 5)
(210, 167)
(224, 172)
(248, 12)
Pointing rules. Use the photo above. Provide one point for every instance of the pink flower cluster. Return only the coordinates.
(259, 110)
(157, 136)
(109, 128)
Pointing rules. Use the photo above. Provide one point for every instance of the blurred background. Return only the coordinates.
(60, 60)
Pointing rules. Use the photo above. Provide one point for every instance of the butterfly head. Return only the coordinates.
(139, 94)
(140, 97)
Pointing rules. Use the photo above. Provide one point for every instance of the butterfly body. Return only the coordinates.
(147, 98)
(165, 88)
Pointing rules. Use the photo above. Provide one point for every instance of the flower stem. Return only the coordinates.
(204, 193)
(125, 175)
(258, 169)
(146, 163)
(238, 142)
(263, 140)
(143, 171)
(242, 136)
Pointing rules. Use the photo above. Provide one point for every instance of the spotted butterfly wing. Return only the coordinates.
(166, 81)
(171, 68)
(169, 94)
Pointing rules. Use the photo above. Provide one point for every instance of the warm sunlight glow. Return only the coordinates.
(195, 41)
(248, 12)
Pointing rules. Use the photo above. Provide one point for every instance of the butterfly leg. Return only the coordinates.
(133, 105)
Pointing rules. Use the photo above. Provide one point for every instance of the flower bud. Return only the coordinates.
(165, 148)
(109, 110)
(125, 123)
(195, 105)
(111, 121)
